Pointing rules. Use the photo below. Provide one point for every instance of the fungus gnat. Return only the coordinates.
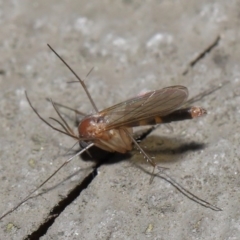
(111, 129)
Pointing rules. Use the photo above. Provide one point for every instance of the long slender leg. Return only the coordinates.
(201, 95)
(79, 79)
(33, 191)
(148, 159)
(167, 178)
(187, 193)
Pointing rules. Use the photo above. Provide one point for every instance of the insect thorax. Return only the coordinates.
(95, 129)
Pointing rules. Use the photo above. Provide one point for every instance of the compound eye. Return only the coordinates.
(99, 120)
(83, 128)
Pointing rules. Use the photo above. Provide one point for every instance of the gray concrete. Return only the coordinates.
(133, 46)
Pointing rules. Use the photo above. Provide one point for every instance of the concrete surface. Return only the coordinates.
(134, 46)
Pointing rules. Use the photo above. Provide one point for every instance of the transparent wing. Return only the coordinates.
(155, 103)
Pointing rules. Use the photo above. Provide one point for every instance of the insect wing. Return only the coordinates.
(155, 103)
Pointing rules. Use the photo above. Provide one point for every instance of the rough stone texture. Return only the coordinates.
(134, 46)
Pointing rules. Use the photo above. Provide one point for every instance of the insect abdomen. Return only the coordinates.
(177, 115)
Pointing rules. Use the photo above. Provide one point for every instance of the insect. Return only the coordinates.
(111, 129)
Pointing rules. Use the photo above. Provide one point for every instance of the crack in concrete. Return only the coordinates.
(73, 194)
(61, 205)
(202, 54)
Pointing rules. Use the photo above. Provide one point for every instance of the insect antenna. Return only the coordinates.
(37, 188)
(67, 107)
(79, 79)
(66, 132)
(66, 126)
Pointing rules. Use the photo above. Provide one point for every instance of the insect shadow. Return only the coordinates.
(171, 147)
(167, 150)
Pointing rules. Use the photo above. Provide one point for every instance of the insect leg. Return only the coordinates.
(37, 188)
(187, 193)
(167, 178)
(79, 79)
(202, 95)
(145, 156)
